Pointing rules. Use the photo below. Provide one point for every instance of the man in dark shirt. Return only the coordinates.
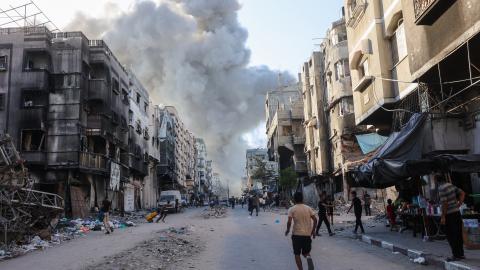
(322, 215)
(357, 210)
(106, 205)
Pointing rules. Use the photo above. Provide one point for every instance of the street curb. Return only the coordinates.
(413, 254)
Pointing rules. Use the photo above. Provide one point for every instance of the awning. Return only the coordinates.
(388, 165)
(370, 142)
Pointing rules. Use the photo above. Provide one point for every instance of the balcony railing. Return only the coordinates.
(428, 11)
(93, 161)
(298, 139)
(98, 90)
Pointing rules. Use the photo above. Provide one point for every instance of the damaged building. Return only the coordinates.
(284, 125)
(83, 123)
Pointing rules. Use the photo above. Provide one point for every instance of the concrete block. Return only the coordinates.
(456, 266)
(413, 254)
(387, 245)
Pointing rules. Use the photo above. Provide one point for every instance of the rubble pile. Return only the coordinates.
(166, 248)
(214, 212)
(65, 230)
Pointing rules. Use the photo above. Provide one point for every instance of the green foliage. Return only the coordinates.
(262, 172)
(288, 178)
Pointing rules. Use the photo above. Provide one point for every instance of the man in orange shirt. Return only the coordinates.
(303, 229)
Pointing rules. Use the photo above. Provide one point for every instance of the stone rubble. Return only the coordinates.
(163, 250)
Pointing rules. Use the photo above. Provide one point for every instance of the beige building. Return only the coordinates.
(378, 59)
(285, 132)
(316, 123)
(185, 152)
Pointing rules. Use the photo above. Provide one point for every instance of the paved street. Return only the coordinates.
(234, 242)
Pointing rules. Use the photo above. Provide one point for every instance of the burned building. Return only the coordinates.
(65, 101)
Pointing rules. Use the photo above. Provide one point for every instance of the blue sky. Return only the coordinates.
(281, 34)
(281, 31)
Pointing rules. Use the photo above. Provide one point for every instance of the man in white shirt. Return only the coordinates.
(303, 229)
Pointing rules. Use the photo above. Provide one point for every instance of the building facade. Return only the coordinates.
(285, 132)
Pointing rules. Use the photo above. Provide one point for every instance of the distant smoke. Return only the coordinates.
(191, 54)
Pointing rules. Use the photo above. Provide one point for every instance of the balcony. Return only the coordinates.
(137, 166)
(97, 125)
(35, 79)
(357, 9)
(428, 11)
(98, 90)
(93, 162)
(34, 157)
(298, 140)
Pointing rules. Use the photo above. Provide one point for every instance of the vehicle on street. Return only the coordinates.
(170, 196)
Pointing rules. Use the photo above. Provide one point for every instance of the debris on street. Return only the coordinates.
(167, 247)
(214, 212)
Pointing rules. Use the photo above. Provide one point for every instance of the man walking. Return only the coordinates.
(357, 210)
(322, 215)
(366, 203)
(451, 217)
(255, 204)
(302, 216)
(106, 205)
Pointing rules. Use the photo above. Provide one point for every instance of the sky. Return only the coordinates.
(281, 33)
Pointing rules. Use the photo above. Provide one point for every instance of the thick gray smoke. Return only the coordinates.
(191, 54)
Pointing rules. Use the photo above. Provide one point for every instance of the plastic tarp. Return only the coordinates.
(388, 165)
(369, 142)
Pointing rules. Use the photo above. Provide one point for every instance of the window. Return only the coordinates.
(115, 86)
(145, 106)
(346, 107)
(138, 98)
(33, 140)
(130, 117)
(138, 127)
(3, 62)
(2, 101)
(124, 95)
(363, 69)
(32, 99)
(399, 43)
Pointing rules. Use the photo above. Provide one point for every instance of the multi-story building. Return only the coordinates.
(207, 188)
(253, 158)
(317, 146)
(285, 132)
(344, 149)
(378, 59)
(70, 96)
(166, 176)
(184, 150)
(201, 167)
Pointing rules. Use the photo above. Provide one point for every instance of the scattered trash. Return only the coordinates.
(420, 260)
(216, 212)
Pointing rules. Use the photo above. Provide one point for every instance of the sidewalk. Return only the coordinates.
(435, 252)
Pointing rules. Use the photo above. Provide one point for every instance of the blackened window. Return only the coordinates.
(33, 140)
(2, 101)
(32, 99)
(138, 98)
(3, 62)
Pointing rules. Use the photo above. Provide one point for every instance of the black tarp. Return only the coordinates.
(388, 165)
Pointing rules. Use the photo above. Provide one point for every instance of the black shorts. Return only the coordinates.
(301, 244)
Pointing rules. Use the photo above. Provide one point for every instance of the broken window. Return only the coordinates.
(145, 106)
(36, 60)
(31, 99)
(3, 62)
(115, 86)
(33, 140)
(138, 127)
(130, 117)
(138, 98)
(124, 95)
(346, 107)
(399, 43)
(2, 101)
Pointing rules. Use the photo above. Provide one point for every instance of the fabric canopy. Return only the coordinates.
(389, 165)
(370, 142)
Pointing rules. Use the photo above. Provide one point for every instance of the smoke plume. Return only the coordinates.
(192, 54)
